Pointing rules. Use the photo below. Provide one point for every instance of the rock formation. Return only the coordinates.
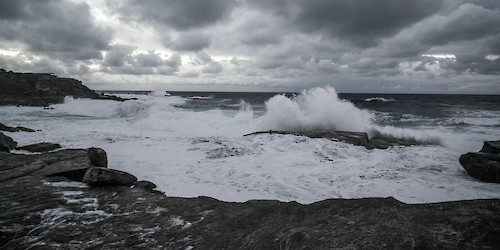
(379, 141)
(484, 165)
(41, 89)
(45, 205)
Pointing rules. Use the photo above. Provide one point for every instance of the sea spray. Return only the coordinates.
(101, 108)
(314, 109)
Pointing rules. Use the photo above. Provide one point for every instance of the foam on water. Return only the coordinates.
(190, 153)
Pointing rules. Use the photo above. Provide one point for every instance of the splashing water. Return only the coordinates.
(315, 109)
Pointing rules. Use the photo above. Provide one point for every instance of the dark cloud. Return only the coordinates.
(176, 14)
(61, 29)
(191, 41)
(357, 21)
(121, 59)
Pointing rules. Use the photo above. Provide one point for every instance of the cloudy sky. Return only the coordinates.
(390, 46)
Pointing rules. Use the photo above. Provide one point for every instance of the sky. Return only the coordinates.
(367, 46)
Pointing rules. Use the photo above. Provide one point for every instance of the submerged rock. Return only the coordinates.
(97, 176)
(7, 143)
(40, 147)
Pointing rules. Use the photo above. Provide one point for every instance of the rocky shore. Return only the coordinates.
(69, 199)
(55, 198)
(42, 89)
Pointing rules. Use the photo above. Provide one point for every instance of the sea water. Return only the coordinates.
(192, 144)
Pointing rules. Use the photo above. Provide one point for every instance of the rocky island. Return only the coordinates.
(53, 198)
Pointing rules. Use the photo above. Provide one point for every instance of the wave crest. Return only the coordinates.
(315, 109)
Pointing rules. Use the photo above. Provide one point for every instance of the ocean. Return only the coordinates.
(191, 143)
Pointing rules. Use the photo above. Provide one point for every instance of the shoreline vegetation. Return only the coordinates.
(68, 198)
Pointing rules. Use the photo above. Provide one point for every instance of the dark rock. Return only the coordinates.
(492, 147)
(42, 89)
(24, 129)
(4, 127)
(485, 167)
(97, 176)
(146, 185)
(379, 141)
(7, 128)
(61, 163)
(6, 143)
(98, 157)
(40, 147)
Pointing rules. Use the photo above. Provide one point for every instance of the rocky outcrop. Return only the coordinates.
(40, 147)
(379, 141)
(14, 129)
(98, 176)
(49, 211)
(484, 165)
(7, 143)
(41, 89)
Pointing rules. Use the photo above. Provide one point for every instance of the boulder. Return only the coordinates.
(485, 167)
(70, 163)
(40, 147)
(491, 147)
(98, 157)
(97, 176)
(7, 143)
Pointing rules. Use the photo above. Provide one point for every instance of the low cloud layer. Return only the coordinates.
(428, 46)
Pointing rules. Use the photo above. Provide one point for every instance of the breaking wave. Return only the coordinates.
(101, 108)
(315, 109)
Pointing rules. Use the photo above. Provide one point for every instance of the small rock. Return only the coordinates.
(24, 129)
(96, 176)
(4, 127)
(6, 143)
(147, 185)
(492, 147)
(40, 147)
(98, 157)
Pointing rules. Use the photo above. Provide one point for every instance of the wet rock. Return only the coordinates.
(7, 143)
(4, 127)
(485, 167)
(40, 147)
(491, 147)
(98, 157)
(378, 141)
(71, 163)
(97, 176)
(146, 185)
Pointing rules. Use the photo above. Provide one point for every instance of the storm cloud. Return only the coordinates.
(355, 46)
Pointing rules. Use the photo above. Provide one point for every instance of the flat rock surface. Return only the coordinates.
(40, 147)
(41, 212)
